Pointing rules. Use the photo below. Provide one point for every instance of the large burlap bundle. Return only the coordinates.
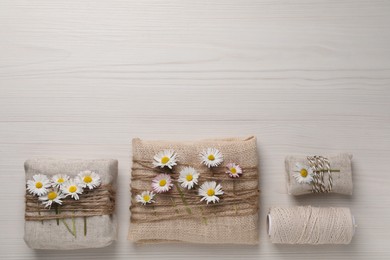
(47, 234)
(341, 177)
(234, 220)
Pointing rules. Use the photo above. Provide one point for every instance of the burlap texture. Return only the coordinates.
(168, 220)
(342, 181)
(101, 230)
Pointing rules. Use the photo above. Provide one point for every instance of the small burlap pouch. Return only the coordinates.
(91, 218)
(330, 174)
(180, 216)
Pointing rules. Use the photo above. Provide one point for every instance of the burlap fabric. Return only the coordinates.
(234, 220)
(46, 234)
(342, 180)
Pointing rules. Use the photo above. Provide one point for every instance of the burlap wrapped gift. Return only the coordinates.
(182, 217)
(41, 228)
(337, 167)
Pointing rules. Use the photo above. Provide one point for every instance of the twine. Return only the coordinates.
(97, 202)
(186, 204)
(320, 164)
(310, 225)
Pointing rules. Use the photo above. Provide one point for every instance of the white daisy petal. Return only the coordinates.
(51, 197)
(59, 179)
(211, 157)
(72, 188)
(165, 158)
(209, 191)
(234, 170)
(88, 179)
(145, 197)
(303, 173)
(39, 185)
(162, 183)
(188, 177)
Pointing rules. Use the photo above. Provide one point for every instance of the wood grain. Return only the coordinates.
(80, 79)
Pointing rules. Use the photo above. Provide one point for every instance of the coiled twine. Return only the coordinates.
(310, 225)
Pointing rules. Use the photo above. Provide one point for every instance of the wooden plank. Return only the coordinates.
(82, 78)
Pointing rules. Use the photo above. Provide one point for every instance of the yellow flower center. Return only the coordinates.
(211, 157)
(189, 177)
(304, 173)
(52, 195)
(72, 188)
(233, 170)
(60, 180)
(165, 159)
(38, 185)
(146, 198)
(210, 192)
(87, 179)
(162, 183)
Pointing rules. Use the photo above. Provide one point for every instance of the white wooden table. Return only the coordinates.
(80, 79)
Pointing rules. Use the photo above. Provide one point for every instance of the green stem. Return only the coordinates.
(234, 193)
(39, 211)
(74, 225)
(323, 171)
(203, 217)
(154, 210)
(174, 205)
(67, 227)
(57, 212)
(85, 226)
(183, 198)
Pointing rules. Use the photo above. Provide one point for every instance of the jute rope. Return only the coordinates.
(184, 204)
(310, 225)
(97, 202)
(320, 164)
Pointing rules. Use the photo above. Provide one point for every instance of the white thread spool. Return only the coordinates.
(310, 225)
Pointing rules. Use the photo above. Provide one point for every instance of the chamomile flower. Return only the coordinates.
(52, 197)
(39, 185)
(145, 197)
(59, 179)
(162, 183)
(72, 188)
(164, 158)
(88, 179)
(303, 173)
(188, 177)
(234, 170)
(211, 157)
(209, 191)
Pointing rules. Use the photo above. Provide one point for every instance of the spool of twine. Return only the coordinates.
(310, 225)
